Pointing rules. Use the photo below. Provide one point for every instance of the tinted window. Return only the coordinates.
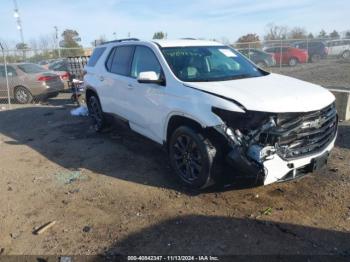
(110, 60)
(144, 60)
(301, 45)
(122, 60)
(271, 50)
(10, 70)
(208, 63)
(59, 66)
(95, 56)
(31, 68)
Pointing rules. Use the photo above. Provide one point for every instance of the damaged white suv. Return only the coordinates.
(212, 108)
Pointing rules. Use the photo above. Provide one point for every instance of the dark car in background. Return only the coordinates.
(259, 57)
(316, 49)
(69, 68)
(63, 69)
(288, 55)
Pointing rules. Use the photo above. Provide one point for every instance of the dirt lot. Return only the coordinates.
(327, 72)
(114, 193)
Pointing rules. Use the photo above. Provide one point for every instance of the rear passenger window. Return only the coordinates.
(95, 56)
(121, 61)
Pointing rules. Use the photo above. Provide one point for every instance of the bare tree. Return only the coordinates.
(275, 32)
(249, 40)
(99, 40)
(225, 40)
(159, 35)
(322, 34)
(334, 34)
(297, 33)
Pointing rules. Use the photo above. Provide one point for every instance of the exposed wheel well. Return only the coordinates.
(177, 121)
(89, 93)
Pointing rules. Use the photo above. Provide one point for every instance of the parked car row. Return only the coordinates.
(298, 52)
(28, 81)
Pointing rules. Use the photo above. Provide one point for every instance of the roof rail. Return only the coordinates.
(121, 40)
(188, 38)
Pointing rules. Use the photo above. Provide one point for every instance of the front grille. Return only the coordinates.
(299, 135)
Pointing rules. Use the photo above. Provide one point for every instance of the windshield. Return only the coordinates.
(209, 63)
(31, 68)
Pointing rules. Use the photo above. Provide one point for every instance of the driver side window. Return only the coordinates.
(144, 61)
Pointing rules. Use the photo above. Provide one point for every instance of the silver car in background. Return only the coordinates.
(29, 81)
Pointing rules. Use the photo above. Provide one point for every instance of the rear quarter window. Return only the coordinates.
(96, 56)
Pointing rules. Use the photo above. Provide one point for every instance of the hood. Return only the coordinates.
(271, 93)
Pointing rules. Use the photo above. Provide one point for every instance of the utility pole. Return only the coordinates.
(19, 26)
(18, 21)
(57, 42)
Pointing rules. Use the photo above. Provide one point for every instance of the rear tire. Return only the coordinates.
(193, 158)
(22, 95)
(96, 114)
(293, 61)
(346, 54)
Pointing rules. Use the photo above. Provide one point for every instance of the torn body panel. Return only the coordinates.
(278, 147)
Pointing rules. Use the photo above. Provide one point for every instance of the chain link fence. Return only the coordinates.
(35, 75)
(293, 52)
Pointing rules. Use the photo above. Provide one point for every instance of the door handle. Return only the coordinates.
(130, 86)
(102, 78)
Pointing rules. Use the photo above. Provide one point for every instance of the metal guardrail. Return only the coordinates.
(339, 89)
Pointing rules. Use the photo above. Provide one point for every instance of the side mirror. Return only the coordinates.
(150, 77)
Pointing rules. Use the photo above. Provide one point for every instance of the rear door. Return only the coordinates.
(115, 81)
(334, 48)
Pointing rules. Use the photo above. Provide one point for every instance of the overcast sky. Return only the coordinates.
(179, 18)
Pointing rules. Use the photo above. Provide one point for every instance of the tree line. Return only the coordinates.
(277, 32)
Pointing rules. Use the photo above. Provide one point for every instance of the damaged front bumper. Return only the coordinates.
(276, 169)
(273, 148)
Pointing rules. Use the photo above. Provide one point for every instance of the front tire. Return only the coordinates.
(193, 157)
(346, 54)
(96, 114)
(22, 95)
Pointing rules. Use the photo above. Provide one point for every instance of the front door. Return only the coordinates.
(144, 108)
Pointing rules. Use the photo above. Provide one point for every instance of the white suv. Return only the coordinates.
(214, 110)
(339, 48)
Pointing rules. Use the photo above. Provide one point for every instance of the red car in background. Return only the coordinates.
(290, 56)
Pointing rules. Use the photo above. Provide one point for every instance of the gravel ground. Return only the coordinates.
(114, 193)
(329, 73)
